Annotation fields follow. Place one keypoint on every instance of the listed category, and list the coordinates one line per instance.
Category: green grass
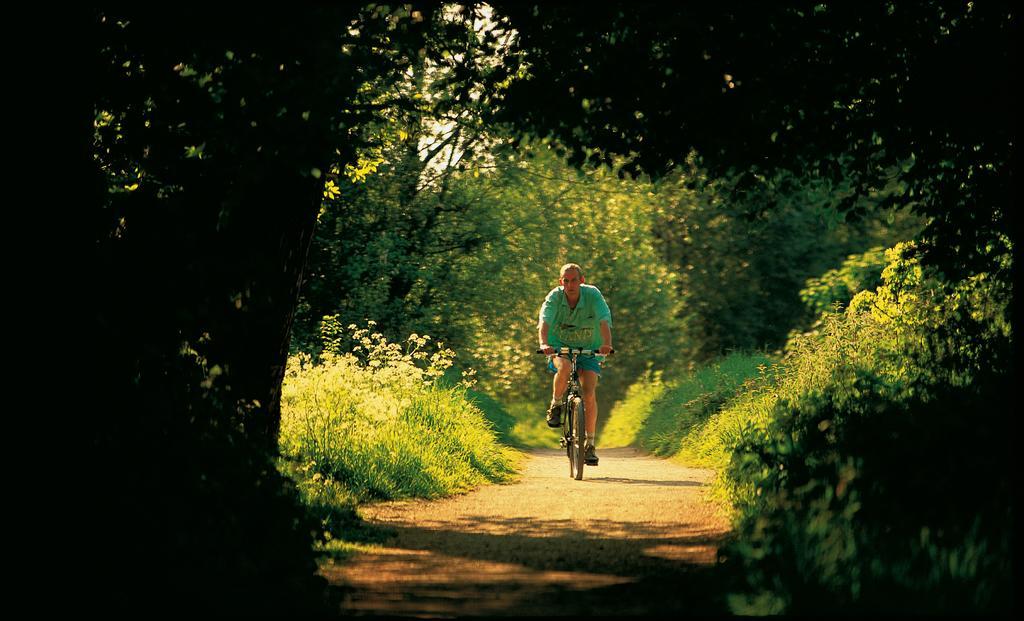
(629, 416)
(531, 429)
(685, 419)
(380, 427)
(521, 423)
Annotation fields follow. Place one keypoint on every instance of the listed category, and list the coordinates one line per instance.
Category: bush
(377, 423)
(859, 272)
(880, 480)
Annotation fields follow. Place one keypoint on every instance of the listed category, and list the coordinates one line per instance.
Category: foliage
(545, 213)
(857, 479)
(471, 261)
(892, 93)
(859, 272)
(207, 133)
(765, 242)
(879, 480)
(667, 417)
(216, 138)
(195, 520)
(461, 259)
(378, 423)
(389, 229)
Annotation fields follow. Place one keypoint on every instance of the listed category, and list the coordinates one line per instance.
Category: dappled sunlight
(403, 567)
(429, 584)
(696, 554)
(617, 480)
(479, 565)
(540, 537)
(598, 529)
(399, 580)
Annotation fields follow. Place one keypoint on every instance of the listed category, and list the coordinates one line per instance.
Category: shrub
(880, 480)
(859, 272)
(376, 423)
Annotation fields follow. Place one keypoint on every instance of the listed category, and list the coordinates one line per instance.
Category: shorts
(583, 363)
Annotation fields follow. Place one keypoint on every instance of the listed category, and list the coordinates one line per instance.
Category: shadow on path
(558, 571)
(632, 538)
(635, 543)
(643, 482)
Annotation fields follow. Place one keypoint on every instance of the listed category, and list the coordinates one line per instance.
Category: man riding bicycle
(575, 314)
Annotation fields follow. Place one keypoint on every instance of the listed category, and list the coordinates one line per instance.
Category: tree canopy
(874, 91)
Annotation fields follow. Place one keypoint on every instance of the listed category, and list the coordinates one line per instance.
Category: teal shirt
(578, 327)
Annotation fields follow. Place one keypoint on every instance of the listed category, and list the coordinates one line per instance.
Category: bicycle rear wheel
(577, 450)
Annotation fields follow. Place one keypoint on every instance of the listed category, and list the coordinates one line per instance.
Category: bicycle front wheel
(577, 450)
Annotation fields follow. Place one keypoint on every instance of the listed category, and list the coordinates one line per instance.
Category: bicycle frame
(574, 414)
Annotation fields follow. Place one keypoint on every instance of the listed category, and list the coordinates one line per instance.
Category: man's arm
(606, 337)
(604, 315)
(542, 335)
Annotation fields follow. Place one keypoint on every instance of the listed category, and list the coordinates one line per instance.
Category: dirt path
(634, 537)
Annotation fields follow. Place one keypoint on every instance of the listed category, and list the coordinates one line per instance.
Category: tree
(743, 258)
(908, 101)
(211, 131)
(874, 91)
(390, 227)
(535, 213)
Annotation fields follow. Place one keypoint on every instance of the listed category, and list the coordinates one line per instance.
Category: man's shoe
(591, 457)
(554, 416)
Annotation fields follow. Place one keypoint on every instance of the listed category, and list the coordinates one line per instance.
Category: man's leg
(588, 385)
(560, 384)
(561, 381)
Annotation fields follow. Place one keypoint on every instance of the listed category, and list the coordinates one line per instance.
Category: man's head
(571, 277)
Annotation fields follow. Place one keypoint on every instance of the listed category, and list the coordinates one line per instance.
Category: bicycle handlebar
(577, 350)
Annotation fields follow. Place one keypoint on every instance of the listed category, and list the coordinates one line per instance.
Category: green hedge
(880, 480)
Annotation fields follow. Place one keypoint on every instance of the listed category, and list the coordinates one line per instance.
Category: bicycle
(574, 418)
